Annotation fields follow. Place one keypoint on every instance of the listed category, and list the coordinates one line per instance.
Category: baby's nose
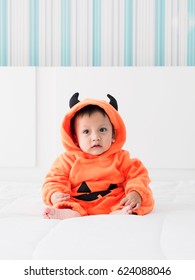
(95, 136)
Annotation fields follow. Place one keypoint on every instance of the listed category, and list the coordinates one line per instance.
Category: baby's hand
(58, 197)
(133, 199)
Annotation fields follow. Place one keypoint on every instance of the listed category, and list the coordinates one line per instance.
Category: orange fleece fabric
(97, 184)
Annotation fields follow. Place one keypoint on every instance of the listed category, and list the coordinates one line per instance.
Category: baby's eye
(86, 131)
(103, 129)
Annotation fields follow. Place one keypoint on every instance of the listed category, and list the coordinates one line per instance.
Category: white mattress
(166, 233)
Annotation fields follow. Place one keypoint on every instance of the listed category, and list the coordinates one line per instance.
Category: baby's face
(94, 133)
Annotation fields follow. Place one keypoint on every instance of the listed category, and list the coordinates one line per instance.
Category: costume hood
(110, 109)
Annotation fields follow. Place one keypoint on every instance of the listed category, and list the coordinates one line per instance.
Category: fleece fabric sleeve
(57, 179)
(137, 179)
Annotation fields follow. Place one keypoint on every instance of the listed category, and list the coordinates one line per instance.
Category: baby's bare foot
(126, 210)
(60, 214)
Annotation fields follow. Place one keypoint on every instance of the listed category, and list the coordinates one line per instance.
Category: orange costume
(97, 183)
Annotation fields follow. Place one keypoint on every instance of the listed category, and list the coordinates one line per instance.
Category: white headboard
(156, 103)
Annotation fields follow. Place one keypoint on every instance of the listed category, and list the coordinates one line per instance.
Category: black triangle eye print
(90, 196)
(84, 188)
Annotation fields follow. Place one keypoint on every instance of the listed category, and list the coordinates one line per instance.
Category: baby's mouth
(96, 146)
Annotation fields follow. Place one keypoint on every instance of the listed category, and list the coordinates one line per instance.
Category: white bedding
(166, 233)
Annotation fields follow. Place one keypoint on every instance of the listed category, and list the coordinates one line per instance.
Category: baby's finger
(62, 195)
(130, 203)
(62, 198)
(137, 206)
(66, 196)
(133, 205)
(123, 201)
(58, 200)
(129, 211)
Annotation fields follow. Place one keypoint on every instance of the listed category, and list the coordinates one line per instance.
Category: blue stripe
(65, 33)
(96, 51)
(160, 33)
(191, 34)
(34, 32)
(128, 33)
(3, 33)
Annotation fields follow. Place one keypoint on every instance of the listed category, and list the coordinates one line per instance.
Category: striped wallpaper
(97, 32)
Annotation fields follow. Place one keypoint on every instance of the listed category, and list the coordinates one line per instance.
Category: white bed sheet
(166, 233)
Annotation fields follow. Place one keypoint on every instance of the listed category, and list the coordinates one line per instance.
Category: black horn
(74, 100)
(113, 101)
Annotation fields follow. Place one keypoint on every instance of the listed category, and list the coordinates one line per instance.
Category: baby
(95, 176)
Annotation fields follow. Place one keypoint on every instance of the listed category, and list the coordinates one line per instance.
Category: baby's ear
(113, 136)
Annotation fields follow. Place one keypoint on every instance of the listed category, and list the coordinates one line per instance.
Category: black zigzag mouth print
(91, 196)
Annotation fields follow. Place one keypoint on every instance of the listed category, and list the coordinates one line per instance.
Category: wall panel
(97, 33)
(27, 122)
(17, 117)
